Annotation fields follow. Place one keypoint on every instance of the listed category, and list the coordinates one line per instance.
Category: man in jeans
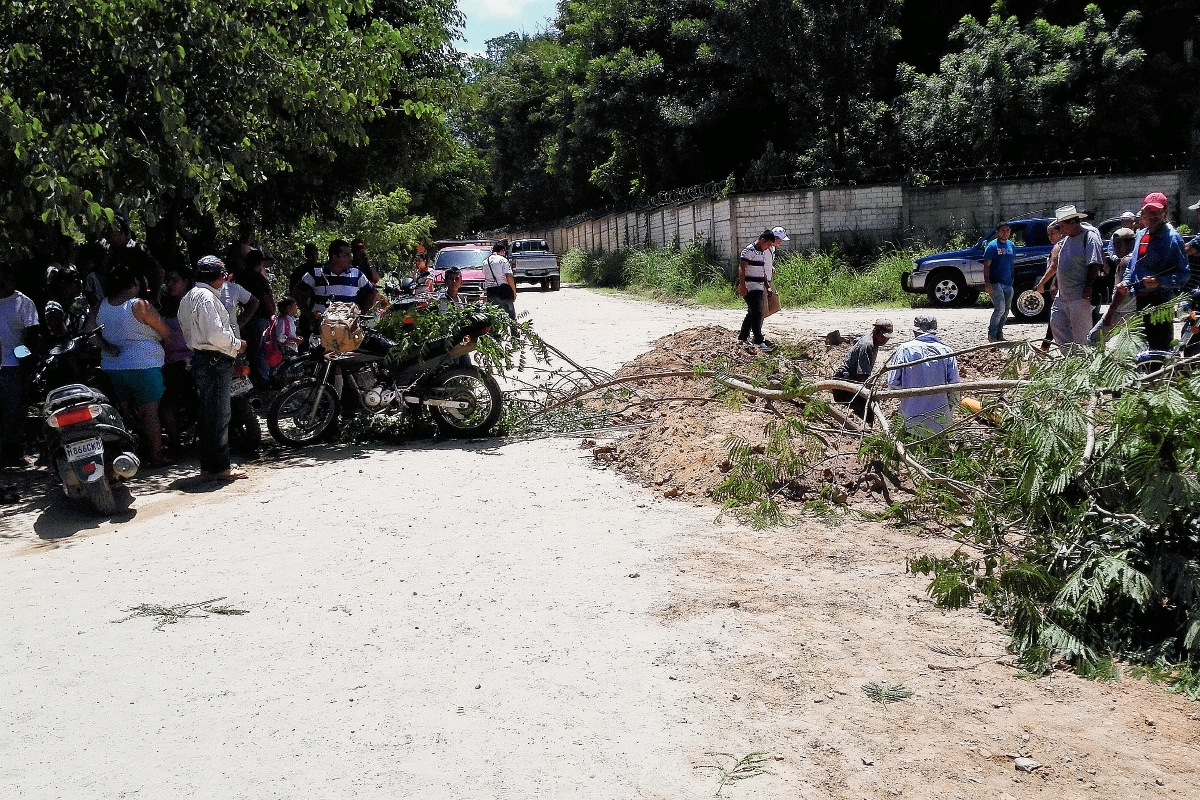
(998, 279)
(206, 329)
(1158, 270)
(756, 266)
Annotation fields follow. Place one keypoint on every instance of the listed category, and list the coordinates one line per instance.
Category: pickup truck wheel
(946, 288)
(555, 284)
(545, 282)
(1030, 305)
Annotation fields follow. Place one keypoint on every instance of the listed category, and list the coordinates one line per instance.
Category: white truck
(533, 262)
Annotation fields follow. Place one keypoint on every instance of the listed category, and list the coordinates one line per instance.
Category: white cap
(780, 234)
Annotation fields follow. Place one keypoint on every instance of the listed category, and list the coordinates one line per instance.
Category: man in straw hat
(1080, 262)
(1158, 268)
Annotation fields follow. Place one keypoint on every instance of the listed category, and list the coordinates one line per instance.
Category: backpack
(340, 331)
(270, 347)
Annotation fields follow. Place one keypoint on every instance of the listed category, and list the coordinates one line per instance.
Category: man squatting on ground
(928, 414)
(756, 266)
(858, 366)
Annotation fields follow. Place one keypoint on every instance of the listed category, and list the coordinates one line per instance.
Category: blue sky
(487, 19)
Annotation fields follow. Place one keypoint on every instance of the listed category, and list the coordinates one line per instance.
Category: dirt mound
(683, 452)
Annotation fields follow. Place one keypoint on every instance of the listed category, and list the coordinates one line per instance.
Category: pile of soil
(682, 452)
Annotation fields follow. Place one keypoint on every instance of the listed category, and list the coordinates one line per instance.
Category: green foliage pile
(1088, 552)
(509, 345)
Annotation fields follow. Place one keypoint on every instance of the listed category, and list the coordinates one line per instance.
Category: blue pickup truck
(956, 277)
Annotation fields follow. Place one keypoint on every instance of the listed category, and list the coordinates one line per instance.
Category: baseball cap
(884, 328)
(209, 267)
(924, 323)
(1155, 200)
(1124, 233)
(1129, 216)
(780, 234)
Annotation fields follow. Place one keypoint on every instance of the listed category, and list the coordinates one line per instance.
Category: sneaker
(742, 339)
(766, 348)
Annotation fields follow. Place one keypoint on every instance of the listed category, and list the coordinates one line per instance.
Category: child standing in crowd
(286, 335)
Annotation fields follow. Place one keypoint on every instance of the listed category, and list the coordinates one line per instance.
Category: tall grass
(821, 278)
(826, 279)
(655, 273)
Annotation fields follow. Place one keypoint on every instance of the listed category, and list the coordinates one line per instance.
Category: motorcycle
(245, 434)
(83, 435)
(1188, 345)
(463, 400)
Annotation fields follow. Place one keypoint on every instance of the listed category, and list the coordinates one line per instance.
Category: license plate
(84, 449)
(536, 272)
(240, 386)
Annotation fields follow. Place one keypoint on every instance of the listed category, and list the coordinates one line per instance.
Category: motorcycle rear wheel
(291, 418)
(100, 495)
(480, 391)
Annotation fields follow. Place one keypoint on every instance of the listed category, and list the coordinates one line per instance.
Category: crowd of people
(171, 335)
(1144, 266)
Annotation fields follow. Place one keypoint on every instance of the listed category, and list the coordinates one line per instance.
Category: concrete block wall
(818, 217)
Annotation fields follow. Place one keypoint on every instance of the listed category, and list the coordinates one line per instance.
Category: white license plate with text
(84, 449)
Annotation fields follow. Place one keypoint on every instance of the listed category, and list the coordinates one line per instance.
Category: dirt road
(464, 621)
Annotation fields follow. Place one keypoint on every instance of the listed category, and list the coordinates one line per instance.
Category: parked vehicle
(463, 400)
(956, 277)
(245, 432)
(533, 262)
(83, 436)
(468, 256)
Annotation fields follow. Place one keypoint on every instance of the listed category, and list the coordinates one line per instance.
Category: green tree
(166, 111)
(1027, 93)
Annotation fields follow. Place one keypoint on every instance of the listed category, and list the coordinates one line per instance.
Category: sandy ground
(461, 621)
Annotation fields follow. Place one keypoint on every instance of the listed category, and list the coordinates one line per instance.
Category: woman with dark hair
(133, 354)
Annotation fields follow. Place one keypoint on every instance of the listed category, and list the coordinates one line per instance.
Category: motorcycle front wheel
(302, 413)
(479, 391)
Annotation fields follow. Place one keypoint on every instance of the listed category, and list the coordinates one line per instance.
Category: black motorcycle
(463, 400)
(83, 435)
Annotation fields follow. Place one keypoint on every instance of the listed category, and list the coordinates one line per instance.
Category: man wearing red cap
(1158, 267)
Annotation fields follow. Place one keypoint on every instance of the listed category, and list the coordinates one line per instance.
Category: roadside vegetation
(1074, 497)
(829, 278)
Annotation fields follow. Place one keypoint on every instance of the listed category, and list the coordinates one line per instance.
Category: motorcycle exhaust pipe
(126, 465)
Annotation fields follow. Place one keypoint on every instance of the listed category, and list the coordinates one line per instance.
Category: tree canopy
(621, 100)
(171, 111)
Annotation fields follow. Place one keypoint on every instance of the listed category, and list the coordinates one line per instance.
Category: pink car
(468, 257)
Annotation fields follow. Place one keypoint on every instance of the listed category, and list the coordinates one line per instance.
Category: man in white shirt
(499, 281)
(18, 326)
(234, 295)
(214, 345)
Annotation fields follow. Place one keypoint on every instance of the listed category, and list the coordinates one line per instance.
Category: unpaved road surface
(462, 621)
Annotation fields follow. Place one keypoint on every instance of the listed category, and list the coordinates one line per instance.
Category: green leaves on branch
(152, 108)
